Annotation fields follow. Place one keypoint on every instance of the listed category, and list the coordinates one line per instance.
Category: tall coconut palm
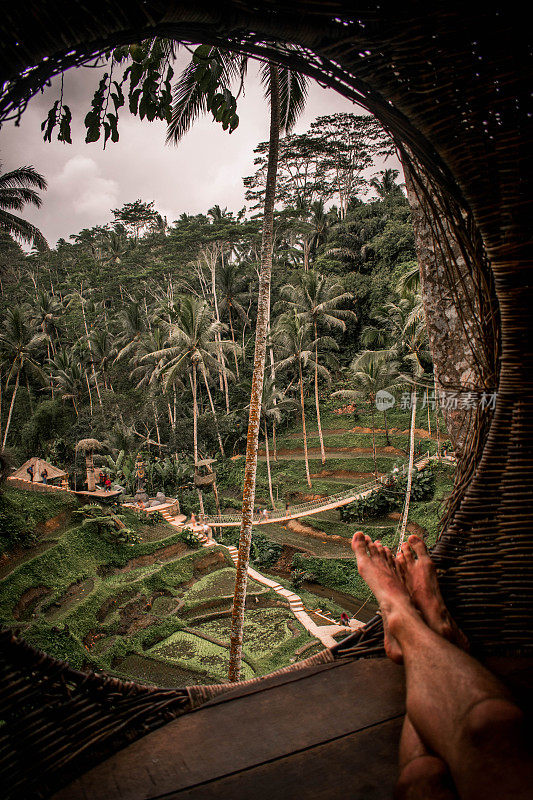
(371, 372)
(286, 92)
(234, 296)
(293, 338)
(20, 344)
(68, 377)
(132, 323)
(17, 189)
(384, 183)
(318, 299)
(47, 311)
(273, 403)
(192, 348)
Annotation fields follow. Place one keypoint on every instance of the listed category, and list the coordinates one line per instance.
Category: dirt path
(348, 474)
(412, 527)
(421, 432)
(300, 527)
(285, 453)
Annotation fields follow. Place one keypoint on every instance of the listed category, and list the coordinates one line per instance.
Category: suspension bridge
(315, 506)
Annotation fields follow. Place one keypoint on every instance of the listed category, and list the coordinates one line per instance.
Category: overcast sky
(85, 182)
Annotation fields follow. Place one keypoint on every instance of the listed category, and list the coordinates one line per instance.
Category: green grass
(219, 584)
(192, 652)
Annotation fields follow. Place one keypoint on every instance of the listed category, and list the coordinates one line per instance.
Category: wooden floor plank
(359, 766)
(236, 735)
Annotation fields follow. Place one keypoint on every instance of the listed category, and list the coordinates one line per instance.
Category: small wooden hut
(54, 474)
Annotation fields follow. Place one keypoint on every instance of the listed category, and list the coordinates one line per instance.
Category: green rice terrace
(157, 608)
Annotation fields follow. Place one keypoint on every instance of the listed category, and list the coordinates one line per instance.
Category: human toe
(359, 544)
(418, 546)
(407, 553)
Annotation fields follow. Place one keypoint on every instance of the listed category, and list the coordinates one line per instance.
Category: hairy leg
(461, 712)
(423, 775)
(419, 575)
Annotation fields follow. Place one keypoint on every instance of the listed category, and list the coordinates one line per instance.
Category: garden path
(324, 633)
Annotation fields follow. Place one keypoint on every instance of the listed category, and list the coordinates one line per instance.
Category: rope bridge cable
(313, 506)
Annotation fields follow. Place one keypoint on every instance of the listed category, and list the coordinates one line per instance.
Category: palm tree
(17, 189)
(371, 372)
(233, 293)
(68, 377)
(192, 348)
(19, 346)
(286, 92)
(273, 403)
(147, 368)
(317, 299)
(133, 327)
(384, 183)
(293, 336)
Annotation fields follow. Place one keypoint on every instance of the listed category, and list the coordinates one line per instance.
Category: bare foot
(377, 568)
(420, 577)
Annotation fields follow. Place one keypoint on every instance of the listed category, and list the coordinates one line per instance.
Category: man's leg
(460, 711)
(423, 775)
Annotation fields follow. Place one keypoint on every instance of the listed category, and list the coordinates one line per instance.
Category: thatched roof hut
(38, 464)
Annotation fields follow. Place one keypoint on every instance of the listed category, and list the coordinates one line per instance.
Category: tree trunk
(374, 439)
(409, 471)
(8, 423)
(89, 390)
(454, 316)
(302, 403)
(234, 345)
(263, 309)
(195, 428)
(317, 403)
(156, 420)
(268, 466)
(387, 439)
(90, 350)
(437, 407)
(213, 412)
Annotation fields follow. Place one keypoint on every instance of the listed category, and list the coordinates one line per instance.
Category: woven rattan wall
(452, 85)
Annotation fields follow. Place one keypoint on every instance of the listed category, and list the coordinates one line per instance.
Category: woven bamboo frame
(452, 87)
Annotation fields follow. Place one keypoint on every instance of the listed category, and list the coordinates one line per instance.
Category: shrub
(190, 539)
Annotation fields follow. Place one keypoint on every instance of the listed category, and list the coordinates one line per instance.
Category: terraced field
(157, 611)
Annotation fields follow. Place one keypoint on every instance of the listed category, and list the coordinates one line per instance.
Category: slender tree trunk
(374, 440)
(13, 396)
(317, 403)
(250, 470)
(268, 465)
(29, 395)
(195, 429)
(409, 470)
(90, 351)
(234, 345)
(213, 412)
(156, 420)
(89, 390)
(217, 500)
(274, 446)
(302, 403)
(429, 415)
(437, 423)
(387, 439)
